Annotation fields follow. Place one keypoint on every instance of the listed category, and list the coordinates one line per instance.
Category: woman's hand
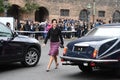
(43, 45)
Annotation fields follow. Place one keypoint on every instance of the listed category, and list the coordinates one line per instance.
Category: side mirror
(15, 34)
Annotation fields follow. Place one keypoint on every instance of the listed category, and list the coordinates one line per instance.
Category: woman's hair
(54, 20)
(7, 24)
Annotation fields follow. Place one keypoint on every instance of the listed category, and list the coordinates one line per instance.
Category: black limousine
(18, 48)
(99, 48)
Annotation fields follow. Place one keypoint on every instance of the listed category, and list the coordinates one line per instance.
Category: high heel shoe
(47, 70)
(57, 66)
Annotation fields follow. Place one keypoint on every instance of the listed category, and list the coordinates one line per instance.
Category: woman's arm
(47, 37)
(61, 38)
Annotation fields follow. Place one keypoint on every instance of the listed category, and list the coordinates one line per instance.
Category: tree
(1, 6)
(4, 6)
(30, 6)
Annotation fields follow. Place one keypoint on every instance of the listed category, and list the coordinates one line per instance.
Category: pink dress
(54, 48)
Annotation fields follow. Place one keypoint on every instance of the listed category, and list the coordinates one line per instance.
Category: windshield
(5, 31)
(105, 31)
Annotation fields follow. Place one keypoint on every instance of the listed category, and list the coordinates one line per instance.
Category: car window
(104, 31)
(5, 31)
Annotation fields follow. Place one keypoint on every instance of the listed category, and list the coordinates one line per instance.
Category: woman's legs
(50, 62)
(56, 62)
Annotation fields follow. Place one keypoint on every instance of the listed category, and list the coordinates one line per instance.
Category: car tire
(31, 57)
(85, 68)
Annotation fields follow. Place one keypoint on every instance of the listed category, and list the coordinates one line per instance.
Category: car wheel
(85, 68)
(31, 58)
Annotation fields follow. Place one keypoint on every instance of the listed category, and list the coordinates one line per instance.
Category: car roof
(111, 25)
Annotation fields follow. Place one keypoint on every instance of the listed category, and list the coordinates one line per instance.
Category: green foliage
(30, 7)
(1, 6)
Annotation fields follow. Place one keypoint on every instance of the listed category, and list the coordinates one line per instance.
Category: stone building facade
(87, 10)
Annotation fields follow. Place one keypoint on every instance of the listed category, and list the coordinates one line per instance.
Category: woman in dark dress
(55, 36)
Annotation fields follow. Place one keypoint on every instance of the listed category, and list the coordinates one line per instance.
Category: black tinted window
(106, 46)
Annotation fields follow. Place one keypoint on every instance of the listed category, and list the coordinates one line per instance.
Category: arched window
(84, 15)
(116, 17)
(41, 15)
(14, 11)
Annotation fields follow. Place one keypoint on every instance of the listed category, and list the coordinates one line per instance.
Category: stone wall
(75, 6)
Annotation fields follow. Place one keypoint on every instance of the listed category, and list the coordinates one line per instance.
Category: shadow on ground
(8, 67)
(96, 75)
(13, 67)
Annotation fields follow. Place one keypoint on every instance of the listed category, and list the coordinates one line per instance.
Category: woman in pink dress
(55, 36)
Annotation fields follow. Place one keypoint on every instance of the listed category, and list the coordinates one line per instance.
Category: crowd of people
(69, 27)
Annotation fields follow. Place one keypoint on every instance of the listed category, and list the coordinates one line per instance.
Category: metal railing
(35, 32)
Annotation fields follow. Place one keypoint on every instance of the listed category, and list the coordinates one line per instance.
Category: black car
(18, 48)
(99, 48)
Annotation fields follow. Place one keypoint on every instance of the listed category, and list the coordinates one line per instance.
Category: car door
(10, 48)
(1, 48)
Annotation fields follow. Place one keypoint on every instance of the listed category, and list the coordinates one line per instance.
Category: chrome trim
(109, 48)
(110, 54)
(85, 44)
(89, 60)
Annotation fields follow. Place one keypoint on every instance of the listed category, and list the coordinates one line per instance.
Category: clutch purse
(61, 46)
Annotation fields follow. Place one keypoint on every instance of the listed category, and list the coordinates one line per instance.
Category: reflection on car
(18, 48)
(99, 48)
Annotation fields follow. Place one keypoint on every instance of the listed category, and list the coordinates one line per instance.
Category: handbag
(61, 46)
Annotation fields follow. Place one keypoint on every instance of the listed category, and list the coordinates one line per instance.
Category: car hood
(90, 41)
(26, 39)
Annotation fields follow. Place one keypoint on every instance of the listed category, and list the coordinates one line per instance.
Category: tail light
(94, 53)
(64, 50)
(62, 60)
(92, 64)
